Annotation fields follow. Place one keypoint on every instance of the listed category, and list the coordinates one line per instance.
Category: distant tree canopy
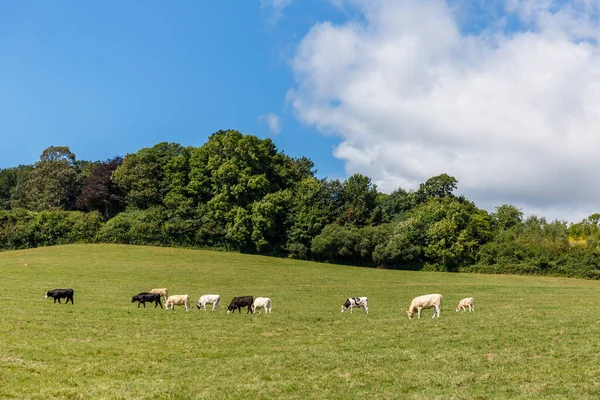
(239, 192)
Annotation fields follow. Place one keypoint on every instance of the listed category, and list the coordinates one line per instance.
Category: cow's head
(457, 309)
(134, 298)
(410, 314)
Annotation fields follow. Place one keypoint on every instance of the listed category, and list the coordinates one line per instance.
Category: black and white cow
(58, 294)
(240, 302)
(352, 302)
(145, 297)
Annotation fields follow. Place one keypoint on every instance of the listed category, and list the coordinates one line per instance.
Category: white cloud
(514, 116)
(273, 122)
(274, 9)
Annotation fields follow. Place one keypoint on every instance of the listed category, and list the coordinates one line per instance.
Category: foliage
(240, 193)
(99, 193)
(54, 182)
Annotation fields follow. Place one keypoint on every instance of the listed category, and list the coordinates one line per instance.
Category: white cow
(352, 302)
(178, 300)
(427, 301)
(263, 302)
(213, 299)
(468, 302)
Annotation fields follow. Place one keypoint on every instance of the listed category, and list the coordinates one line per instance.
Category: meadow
(529, 338)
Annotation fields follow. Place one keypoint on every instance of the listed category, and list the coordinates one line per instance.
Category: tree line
(238, 192)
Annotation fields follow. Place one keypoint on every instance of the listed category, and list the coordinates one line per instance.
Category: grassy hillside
(530, 337)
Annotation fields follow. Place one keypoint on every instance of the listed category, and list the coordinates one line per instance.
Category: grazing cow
(145, 297)
(178, 300)
(468, 302)
(427, 301)
(163, 292)
(240, 302)
(263, 302)
(58, 294)
(213, 299)
(352, 302)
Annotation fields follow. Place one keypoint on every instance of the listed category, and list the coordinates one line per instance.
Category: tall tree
(506, 217)
(359, 198)
(143, 175)
(438, 186)
(99, 192)
(54, 183)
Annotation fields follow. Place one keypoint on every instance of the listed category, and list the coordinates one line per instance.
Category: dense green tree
(8, 182)
(359, 199)
(312, 207)
(396, 205)
(507, 217)
(270, 221)
(54, 183)
(438, 186)
(144, 177)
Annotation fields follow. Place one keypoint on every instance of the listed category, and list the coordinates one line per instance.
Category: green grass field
(530, 337)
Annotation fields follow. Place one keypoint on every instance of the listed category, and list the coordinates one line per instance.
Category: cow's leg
(139, 304)
(419, 309)
(59, 301)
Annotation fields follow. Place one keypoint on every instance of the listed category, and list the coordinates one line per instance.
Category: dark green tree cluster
(240, 193)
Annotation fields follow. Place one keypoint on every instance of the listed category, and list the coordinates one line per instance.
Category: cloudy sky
(504, 95)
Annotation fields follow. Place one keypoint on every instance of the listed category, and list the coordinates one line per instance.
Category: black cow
(58, 294)
(240, 302)
(145, 297)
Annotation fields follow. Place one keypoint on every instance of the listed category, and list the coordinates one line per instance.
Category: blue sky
(109, 78)
(501, 94)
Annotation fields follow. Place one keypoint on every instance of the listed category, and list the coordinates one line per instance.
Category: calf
(163, 292)
(178, 300)
(427, 301)
(352, 302)
(240, 302)
(468, 302)
(145, 297)
(213, 299)
(263, 302)
(58, 294)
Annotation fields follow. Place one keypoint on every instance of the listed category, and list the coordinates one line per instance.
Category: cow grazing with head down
(352, 302)
(263, 302)
(469, 303)
(145, 297)
(213, 299)
(240, 302)
(426, 301)
(178, 300)
(58, 294)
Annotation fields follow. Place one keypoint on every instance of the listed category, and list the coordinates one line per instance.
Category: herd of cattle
(417, 305)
